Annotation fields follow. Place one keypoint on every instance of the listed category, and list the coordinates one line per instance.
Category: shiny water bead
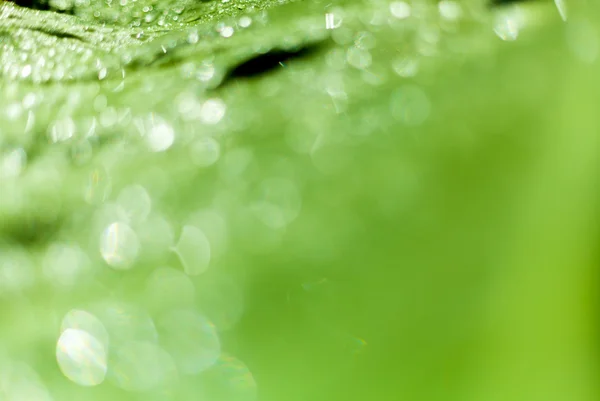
(119, 246)
(400, 9)
(508, 23)
(141, 366)
(160, 136)
(98, 186)
(12, 163)
(212, 111)
(82, 358)
(191, 339)
(193, 250)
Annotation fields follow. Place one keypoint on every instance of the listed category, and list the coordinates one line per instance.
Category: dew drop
(119, 246)
(81, 357)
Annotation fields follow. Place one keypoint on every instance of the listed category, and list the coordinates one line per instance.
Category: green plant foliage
(240, 200)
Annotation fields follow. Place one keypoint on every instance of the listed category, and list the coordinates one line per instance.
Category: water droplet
(508, 24)
(245, 21)
(98, 187)
(332, 21)
(61, 130)
(12, 163)
(449, 10)
(160, 137)
(212, 111)
(400, 9)
(119, 246)
(227, 32)
(81, 357)
(561, 6)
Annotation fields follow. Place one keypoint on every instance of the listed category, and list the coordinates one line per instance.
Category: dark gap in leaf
(270, 61)
(58, 34)
(495, 3)
(33, 4)
(42, 5)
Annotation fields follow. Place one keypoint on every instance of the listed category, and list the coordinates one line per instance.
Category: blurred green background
(299, 200)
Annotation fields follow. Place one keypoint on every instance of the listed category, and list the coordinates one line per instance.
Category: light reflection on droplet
(193, 250)
(508, 24)
(561, 6)
(119, 246)
(98, 187)
(160, 136)
(333, 21)
(227, 32)
(245, 21)
(81, 357)
(449, 10)
(191, 339)
(12, 163)
(400, 9)
(212, 111)
(61, 130)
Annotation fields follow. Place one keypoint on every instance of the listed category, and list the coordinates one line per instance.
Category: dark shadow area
(42, 5)
(495, 3)
(268, 62)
